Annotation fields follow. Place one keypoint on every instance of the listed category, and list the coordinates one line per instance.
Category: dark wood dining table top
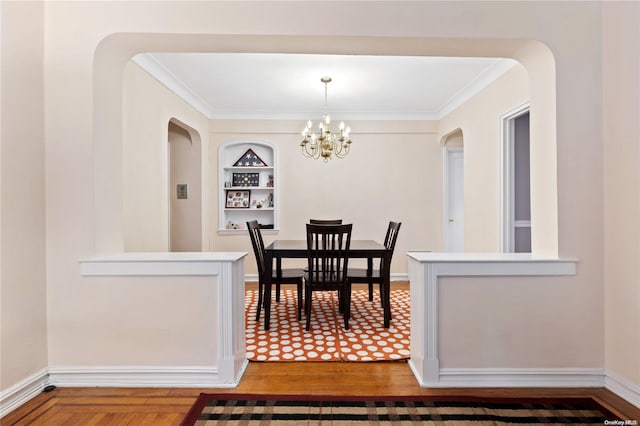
(298, 248)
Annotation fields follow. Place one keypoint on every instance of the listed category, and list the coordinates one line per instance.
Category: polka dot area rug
(366, 339)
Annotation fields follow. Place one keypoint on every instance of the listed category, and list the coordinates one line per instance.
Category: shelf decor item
(238, 199)
(250, 159)
(246, 179)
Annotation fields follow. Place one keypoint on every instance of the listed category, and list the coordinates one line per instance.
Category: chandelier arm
(342, 152)
(326, 143)
(309, 153)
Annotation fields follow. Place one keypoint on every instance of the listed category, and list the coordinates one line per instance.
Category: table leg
(267, 289)
(385, 270)
(370, 280)
(279, 275)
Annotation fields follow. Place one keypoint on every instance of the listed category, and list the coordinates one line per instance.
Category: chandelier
(324, 143)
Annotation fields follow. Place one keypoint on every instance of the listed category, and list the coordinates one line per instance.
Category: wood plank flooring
(168, 406)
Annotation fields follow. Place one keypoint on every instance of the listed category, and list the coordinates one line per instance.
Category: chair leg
(386, 296)
(347, 305)
(307, 306)
(277, 292)
(300, 285)
(259, 307)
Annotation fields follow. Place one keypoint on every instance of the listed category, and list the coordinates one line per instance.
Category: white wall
(84, 60)
(622, 194)
(23, 311)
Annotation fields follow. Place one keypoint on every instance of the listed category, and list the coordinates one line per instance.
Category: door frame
(507, 190)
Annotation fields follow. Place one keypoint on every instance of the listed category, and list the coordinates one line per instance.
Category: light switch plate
(183, 191)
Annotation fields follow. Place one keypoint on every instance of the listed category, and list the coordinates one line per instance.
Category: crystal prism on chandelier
(324, 143)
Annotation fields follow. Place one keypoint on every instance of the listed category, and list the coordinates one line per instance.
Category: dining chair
(279, 276)
(327, 264)
(372, 276)
(325, 221)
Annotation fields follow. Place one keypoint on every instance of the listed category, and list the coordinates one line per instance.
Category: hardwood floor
(167, 406)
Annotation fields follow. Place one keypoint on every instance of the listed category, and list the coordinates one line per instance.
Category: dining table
(297, 249)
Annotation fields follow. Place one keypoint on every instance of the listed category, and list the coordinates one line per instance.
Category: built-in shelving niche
(254, 164)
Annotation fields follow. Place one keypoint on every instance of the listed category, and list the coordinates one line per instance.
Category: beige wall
(377, 176)
(508, 323)
(135, 321)
(23, 310)
(478, 119)
(306, 187)
(83, 68)
(185, 214)
(502, 322)
(621, 61)
(425, 30)
(147, 108)
(375, 172)
(574, 56)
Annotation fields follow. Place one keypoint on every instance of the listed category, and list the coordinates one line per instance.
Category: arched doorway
(453, 192)
(185, 189)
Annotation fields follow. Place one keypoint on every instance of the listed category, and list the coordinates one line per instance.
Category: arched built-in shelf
(254, 176)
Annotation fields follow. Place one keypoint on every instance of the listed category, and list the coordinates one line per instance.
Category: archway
(117, 49)
(185, 189)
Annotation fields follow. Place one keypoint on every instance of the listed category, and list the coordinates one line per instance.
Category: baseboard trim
(137, 376)
(185, 377)
(250, 278)
(622, 387)
(16, 395)
(519, 377)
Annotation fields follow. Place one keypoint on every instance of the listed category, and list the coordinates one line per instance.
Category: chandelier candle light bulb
(325, 143)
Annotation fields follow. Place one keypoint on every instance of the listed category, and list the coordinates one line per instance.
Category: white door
(454, 200)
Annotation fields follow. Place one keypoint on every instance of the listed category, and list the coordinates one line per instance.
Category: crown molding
(155, 69)
(484, 79)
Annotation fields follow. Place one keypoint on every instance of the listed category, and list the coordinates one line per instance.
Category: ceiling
(288, 86)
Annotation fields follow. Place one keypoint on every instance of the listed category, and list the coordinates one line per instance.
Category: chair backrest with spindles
(258, 245)
(392, 235)
(328, 253)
